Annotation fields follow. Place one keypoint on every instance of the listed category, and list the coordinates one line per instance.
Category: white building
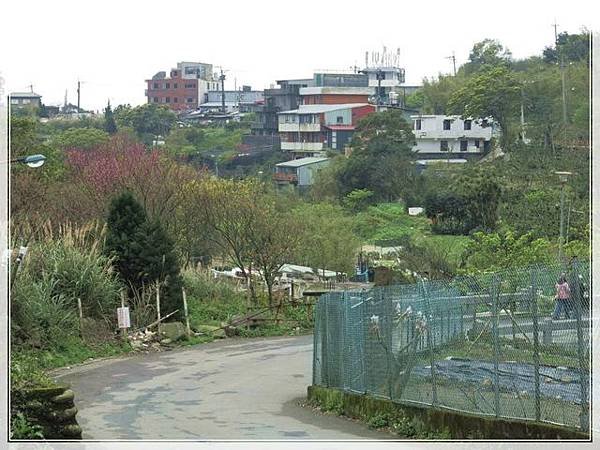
(438, 135)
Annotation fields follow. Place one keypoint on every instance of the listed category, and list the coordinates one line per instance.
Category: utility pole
(31, 88)
(555, 25)
(563, 177)
(564, 90)
(222, 80)
(78, 95)
(380, 76)
(453, 58)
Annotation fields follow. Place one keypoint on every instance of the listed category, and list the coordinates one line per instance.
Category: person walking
(563, 297)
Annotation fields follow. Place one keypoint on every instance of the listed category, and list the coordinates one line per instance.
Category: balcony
(303, 127)
(302, 146)
(478, 133)
(285, 177)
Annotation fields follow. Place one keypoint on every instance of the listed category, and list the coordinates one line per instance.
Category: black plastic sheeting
(560, 383)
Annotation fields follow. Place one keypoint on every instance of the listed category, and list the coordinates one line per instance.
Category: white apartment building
(440, 134)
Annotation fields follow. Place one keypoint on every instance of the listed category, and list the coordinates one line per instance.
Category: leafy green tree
(110, 126)
(358, 199)
(437, 92)
(492, 92)
(573, 47)
(81, 138)
(143, 253)
(149, 120)
(486, 54)
(381, 157)
(496, 251)
(328, 241)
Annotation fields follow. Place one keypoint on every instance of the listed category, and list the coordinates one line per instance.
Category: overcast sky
(113, 46)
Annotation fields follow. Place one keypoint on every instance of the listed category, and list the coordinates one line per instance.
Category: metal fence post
(583, 376)
(429, 320)
(536, 344)
(325, 343)
(495, 314)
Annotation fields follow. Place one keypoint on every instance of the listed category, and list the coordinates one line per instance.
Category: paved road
(231, 389)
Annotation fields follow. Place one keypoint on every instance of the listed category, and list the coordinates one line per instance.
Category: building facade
(324, 95)
(299, 173)
(310, 130)
(438, 135)
(185, 87)
(25, 100)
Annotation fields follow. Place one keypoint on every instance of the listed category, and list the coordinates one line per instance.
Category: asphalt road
(231, 389)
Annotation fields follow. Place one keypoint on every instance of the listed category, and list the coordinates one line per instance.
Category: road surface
(230, 389)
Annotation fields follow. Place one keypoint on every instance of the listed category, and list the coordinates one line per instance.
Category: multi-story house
(299, 172)
(451, 136)
(25, 100)
(185, 87)
(312, 129)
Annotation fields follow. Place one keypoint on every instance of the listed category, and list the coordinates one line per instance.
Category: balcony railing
(289, 177)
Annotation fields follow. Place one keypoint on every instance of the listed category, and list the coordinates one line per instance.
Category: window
(156, 86)
(190, 100)
(155, 99)
(174, 85)
(443, 146)
(14, 101)
(167, 85)
(418, 124)
(446, 124)
(339, 119)
(463, 146)
(467, 124)
(175, 100)
(167, 99)
(476, 142)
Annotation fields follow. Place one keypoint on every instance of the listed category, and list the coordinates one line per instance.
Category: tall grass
(62, 265)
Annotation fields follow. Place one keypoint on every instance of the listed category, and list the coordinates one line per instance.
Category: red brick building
(185, 87)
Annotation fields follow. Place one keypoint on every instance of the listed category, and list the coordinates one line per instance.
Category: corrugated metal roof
(317, 109)
(25, 94)
(302, 161)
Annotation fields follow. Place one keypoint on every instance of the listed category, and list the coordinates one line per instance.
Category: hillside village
(212, 213)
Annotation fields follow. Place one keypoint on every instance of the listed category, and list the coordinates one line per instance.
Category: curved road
(230, 389)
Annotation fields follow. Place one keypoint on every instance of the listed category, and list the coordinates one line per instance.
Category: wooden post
(536, 344)
(158, 305)
(185, 312)
(495, 314)
(80, 317)
(123, 330)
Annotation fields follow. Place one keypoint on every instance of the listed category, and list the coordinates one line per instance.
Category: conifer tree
(143, 253)
(110, 126)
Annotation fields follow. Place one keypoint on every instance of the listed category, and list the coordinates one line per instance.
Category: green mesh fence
(492, 344)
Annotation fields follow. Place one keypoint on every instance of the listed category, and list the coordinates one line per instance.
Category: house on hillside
(449, 137)
(312, 129)
(298, 172)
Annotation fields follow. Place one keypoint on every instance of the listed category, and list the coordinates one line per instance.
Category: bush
(211, 300)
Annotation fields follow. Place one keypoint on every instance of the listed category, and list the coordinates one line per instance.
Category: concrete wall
(433, 146)
(460, 425)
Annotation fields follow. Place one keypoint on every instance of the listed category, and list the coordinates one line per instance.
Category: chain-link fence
(512, 344)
